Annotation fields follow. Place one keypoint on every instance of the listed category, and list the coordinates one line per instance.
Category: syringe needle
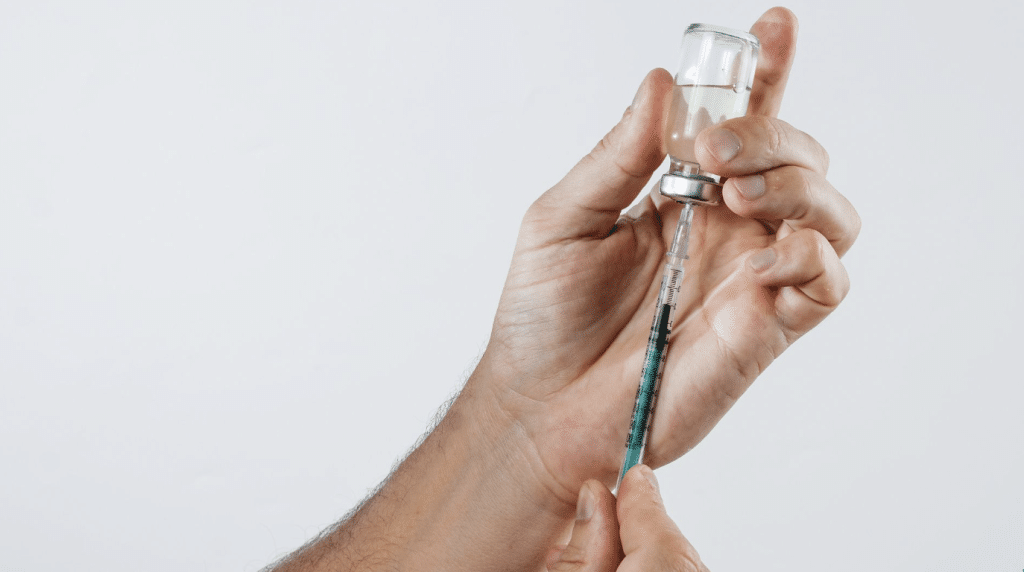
(654, 359)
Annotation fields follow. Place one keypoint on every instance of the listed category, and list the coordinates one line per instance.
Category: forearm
(465, 499)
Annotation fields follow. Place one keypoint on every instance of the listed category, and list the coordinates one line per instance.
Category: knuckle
(804, 185)
(617, 161)
(571, 558)
(844, 289)
(822, 247)
(775, 137)
(825, 159)
(822, 255)
(801, 189)
(602, 148)
(535, 214)
(684, 562)
(855, 224)
(838, 286)
(820, 154)
(818, 246)
(692, 560)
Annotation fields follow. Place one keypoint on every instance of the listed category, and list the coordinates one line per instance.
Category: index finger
(776, 31)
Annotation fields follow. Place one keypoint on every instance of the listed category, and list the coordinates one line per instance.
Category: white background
(248, 248)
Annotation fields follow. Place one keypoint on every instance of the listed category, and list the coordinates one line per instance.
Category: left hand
(564, 358)
(630, 534)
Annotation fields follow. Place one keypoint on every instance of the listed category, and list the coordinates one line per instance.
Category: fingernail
(751, 187)
(762, 260)
(723, 144)
(649, 475)
(585, 504)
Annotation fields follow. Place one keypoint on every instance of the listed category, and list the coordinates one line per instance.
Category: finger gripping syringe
(713, 84)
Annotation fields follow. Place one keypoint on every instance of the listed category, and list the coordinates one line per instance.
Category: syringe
(712, 84)
(654, 359)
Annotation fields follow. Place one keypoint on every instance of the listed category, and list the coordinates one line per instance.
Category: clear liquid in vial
(695, 108)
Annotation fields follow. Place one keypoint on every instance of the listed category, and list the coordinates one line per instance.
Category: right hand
(633, 534)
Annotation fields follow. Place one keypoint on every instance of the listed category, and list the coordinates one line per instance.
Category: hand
(634, 534)
(549, 405)
(565, 354)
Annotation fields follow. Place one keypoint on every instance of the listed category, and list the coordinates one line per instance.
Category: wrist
(522, 432)
(473, 498)
(467, 498)
(501, 442)
(562, 437)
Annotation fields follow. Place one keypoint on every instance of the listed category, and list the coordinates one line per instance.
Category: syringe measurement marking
(647, 392)
(654, 359)
(673, 287)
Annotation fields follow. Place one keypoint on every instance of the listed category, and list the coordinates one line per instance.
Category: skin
(548, 407)
(573, 321)
(630, 534)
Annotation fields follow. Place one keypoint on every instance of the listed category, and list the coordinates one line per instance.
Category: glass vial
(712, 84)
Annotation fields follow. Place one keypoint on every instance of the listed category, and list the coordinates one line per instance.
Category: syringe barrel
(654, 365)
(657, 343)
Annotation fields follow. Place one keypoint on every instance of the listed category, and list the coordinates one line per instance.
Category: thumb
(648, 534)
(594, 546)
(588, 201)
